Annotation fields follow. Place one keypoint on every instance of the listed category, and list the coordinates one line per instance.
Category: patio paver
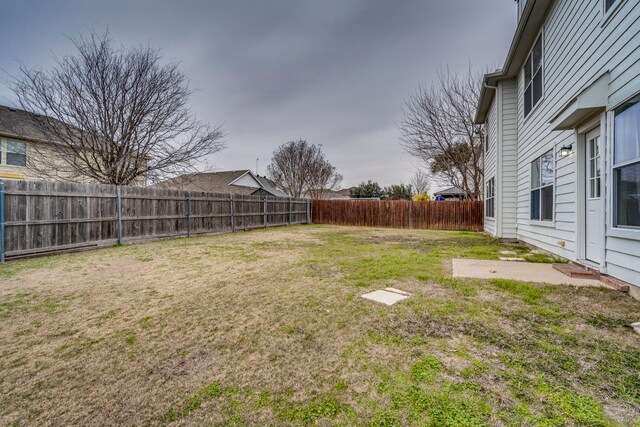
(388, 296)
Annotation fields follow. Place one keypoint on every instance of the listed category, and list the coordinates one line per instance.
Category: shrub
(421, 197)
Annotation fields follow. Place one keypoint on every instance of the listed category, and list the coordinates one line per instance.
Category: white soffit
(590, 101)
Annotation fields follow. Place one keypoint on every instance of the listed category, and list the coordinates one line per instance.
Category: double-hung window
(490, 197)
(533, 77)
(626, 164)
(16, 153)
(486, 138)
(542, 176)
(608, 4)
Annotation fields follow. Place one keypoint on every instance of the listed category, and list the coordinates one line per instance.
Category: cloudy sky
(333, 72)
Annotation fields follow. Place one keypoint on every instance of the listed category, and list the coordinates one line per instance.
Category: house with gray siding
(562, 120)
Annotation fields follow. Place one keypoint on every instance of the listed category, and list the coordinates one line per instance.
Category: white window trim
(5, 143)
(614, 230)
(493, 197)
(544, 75)
(486, 138)
(600, 177)
(546, 222)
(607, 15)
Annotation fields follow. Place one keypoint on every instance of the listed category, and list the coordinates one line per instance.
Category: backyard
(268, 328)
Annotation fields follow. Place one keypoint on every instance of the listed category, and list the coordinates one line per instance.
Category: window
(486, 139)
(521, 4)
(608, 4)
(16, 153)
(490, 197)
(626, 164)
(593, 152)
(542, 171)
(533, 77)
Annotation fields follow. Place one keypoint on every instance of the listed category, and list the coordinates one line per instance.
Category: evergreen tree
(367, 190)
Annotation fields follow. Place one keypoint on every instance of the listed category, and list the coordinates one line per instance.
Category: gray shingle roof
(270, 186)
(211, 182)
(220, 182)
(450, 190)
(19, 123)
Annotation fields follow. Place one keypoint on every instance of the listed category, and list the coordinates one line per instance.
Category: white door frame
(581, 199)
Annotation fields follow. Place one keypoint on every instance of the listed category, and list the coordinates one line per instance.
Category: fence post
(119, 213)
(410, 214)
(233, 213)
(1, 221)
(188, 213)
(308, 206)
(290, 209)
(265, 211)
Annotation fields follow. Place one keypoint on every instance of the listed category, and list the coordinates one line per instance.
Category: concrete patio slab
(388, 296)
(397, 291)
(523, 271)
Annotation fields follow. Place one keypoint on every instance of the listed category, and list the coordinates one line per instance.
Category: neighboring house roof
(529, 25)
(237, 182)
(270, 186)
(451, 191)
(20, 124)
(344, 193)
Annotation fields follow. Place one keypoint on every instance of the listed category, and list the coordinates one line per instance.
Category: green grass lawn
(267, 328)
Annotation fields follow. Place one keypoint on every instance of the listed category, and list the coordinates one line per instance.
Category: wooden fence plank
(42, 217)
(438, 215)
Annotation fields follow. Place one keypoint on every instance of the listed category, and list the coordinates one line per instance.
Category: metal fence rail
(43, 217)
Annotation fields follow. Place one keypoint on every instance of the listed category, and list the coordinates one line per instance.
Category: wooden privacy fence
(41, 217)
(438, 215)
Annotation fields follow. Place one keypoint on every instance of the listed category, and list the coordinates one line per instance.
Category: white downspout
(498, 189)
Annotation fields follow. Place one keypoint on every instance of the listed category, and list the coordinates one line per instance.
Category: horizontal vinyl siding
(509, 158)
(623, 255)
(623, 259)
(490, 165)
(578, 48)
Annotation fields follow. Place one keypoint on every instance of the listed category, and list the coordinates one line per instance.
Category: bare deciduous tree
(323, 177)
(113, 115)
(421, 182)
(438, 128)
(301, 168)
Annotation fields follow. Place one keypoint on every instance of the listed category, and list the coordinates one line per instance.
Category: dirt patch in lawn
(267, 328)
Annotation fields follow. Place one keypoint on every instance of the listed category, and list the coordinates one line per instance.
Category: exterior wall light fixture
(566, 150)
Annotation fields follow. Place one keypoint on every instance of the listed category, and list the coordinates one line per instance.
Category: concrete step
(572, 270)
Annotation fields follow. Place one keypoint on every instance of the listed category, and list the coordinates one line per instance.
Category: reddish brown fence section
(437, 215)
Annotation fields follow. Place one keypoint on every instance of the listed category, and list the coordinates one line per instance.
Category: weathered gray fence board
(48, 216)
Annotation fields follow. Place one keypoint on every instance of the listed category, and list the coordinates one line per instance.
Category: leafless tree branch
(300, 168)
(421, 182)
(438, 129)
(113, 115)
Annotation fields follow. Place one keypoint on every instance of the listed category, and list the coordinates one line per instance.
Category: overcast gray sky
(333, 72)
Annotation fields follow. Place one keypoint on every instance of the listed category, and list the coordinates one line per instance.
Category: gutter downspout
(497, 196)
